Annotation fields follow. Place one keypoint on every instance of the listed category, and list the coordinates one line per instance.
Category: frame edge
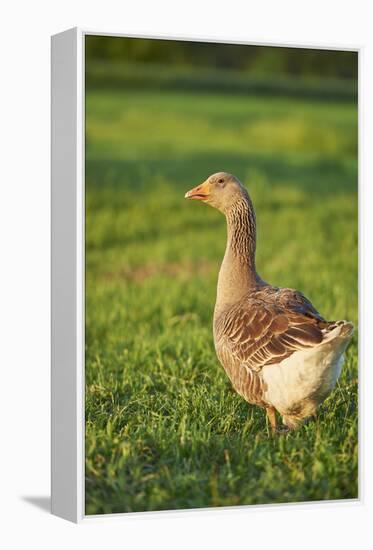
(66, 270)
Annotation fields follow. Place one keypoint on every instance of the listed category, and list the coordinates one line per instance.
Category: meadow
(164, 429)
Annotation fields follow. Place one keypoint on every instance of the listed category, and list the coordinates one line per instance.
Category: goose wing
(267, 326)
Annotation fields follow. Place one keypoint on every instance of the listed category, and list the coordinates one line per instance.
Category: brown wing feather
(267, 326)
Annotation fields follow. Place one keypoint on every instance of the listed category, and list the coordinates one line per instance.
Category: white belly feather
(299, 383)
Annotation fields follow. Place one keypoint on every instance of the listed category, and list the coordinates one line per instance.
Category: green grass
(161, 76)
(164, 429)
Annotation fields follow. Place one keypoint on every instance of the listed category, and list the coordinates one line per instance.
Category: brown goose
(277, 350)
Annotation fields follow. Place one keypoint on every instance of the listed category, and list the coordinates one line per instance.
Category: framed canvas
(201, 362)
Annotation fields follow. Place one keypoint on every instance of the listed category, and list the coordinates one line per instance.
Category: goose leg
(271, 415)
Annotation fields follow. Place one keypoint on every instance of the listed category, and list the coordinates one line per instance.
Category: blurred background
(163, 428)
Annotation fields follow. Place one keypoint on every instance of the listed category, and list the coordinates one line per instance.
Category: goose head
(220, 190)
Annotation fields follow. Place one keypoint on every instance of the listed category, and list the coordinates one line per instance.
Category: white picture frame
(68, 261)
(67, 291)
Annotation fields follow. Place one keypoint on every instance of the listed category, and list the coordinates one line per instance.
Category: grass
(162, 76)
(164, 429)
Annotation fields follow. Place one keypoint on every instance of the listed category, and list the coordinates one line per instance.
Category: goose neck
(238, 273)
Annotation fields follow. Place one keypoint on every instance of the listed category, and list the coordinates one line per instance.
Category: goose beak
(201, 192)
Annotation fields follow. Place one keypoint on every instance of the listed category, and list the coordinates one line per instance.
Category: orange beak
(201, 192)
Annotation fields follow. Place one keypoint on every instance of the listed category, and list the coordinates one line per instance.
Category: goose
(277, 350)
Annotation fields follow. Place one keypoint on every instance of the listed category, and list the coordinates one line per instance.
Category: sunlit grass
(164, 430)
(239, 124)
